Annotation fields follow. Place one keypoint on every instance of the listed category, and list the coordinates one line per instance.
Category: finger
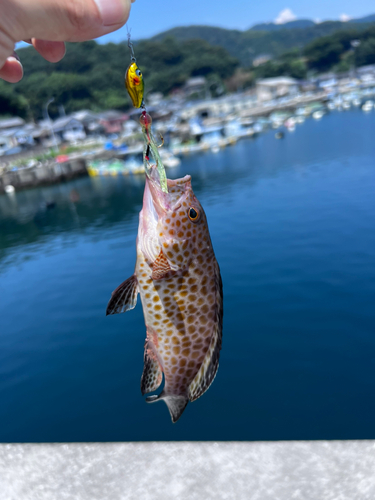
(52, 51)
(12, 70)
(63, 20)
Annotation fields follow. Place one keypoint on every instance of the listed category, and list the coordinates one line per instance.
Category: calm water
(292, 224)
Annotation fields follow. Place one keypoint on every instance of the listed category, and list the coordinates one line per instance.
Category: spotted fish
(178, 279)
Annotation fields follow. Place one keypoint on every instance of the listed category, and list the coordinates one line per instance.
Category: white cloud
(317, 20)
(344, 18)
(285, 16)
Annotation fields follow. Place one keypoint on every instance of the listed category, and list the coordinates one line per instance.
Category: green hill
(91, 76)
(246, 45)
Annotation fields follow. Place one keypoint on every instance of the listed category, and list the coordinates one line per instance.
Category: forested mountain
(92, 75)
(246, 45)
(339, 52)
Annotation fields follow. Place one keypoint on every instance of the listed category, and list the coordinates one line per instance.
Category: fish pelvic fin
(176, 403)
(207, 372)
(124, 297)
(152, 372)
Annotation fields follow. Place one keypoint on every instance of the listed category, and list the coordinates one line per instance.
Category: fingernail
(15, 56)
(12, 58)
(113, 11)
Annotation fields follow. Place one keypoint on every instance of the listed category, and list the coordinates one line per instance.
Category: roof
(84, 115)
(16, 121)
(113, 114)
(196, 80)
(279, 80)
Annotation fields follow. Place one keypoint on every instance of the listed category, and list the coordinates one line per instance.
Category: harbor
(111, 144)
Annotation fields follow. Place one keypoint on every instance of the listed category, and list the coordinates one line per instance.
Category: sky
(149, 17)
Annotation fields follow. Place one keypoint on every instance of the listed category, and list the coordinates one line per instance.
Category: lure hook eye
(193, 214)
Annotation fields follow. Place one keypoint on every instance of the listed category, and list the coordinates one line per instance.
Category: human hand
(47, 24)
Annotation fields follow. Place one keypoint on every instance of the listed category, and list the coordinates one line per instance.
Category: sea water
(292, 224)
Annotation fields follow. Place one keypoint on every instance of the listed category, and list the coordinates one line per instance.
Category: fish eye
(193, 214)
(138, 72)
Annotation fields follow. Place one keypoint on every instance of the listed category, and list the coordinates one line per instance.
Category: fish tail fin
(176, 403)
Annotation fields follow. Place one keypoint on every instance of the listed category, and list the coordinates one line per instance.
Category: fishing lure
(134, 80)
(135, 86)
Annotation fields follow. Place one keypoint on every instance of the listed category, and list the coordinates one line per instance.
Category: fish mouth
(162, 202)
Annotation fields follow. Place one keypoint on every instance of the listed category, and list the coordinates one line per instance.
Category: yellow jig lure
(134, 84)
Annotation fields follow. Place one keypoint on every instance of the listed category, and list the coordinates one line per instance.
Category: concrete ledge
(317, 470)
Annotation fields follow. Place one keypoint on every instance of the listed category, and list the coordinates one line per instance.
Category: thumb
(62, 20)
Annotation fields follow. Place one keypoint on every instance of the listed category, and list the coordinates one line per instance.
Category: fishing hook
(162, 141)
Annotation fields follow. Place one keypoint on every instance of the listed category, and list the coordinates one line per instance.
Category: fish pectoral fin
(124, 297)
(176, 403)
(161, 268)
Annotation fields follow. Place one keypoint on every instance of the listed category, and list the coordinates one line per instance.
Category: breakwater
(38, 175)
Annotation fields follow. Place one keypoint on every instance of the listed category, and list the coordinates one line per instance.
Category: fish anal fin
(152, 375)
(124, 297)
(161, 268)
(210, 365)
(176, 403)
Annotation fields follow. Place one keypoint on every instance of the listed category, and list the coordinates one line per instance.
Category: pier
(49, 173)
(299, 470)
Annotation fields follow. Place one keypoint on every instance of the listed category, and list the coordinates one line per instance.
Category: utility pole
(50, 124)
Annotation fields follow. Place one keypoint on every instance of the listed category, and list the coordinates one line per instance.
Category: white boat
(169, 159)
(9, 189)
(317, 115)
(368, 105)
(290, 124)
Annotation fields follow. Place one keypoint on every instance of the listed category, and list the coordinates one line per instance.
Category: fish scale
(180, 287)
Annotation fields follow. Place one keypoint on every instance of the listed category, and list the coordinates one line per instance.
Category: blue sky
(149, 17)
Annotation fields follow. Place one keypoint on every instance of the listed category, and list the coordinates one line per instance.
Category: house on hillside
(90, 121)
(272, 88)
(195, 85)
(68, 128)
(112, 121)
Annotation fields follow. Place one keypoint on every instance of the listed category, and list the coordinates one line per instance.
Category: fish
(134, 84)
(178, 279)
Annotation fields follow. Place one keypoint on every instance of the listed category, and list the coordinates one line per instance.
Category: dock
(289, 470)
(50, 173)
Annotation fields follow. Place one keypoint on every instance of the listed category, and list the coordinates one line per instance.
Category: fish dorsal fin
(124, 297)
(176, 403)
(208, 369)
(161, 267)
(152, 372)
